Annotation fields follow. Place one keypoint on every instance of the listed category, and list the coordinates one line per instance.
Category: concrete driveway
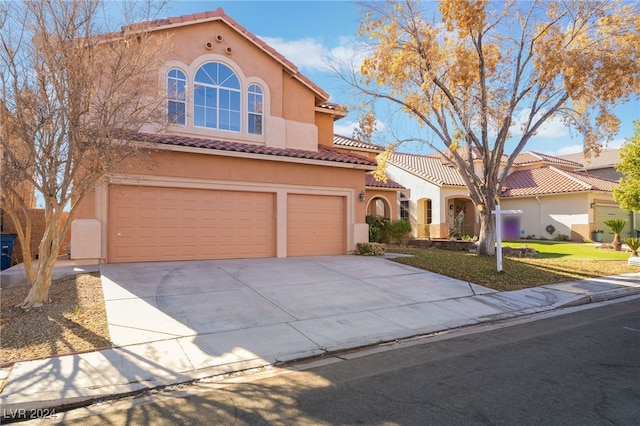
(182, 321)
(316, 299)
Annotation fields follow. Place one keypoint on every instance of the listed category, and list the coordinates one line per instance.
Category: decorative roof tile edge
(324, 153)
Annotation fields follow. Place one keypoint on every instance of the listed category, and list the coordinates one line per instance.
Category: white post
(499, 213)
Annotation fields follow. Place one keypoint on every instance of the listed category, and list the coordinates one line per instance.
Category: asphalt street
(578, 368)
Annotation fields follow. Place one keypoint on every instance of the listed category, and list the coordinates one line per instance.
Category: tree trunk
(487, 237)
(48, 256)
(617, 245)
(39, 292)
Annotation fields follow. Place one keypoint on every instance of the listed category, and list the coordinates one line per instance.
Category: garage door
(612, 212)
(160, 224)
(315, 225)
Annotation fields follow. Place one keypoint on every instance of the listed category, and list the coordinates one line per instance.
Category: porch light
(363, 196)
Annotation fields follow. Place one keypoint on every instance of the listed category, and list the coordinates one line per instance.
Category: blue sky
(305, 32)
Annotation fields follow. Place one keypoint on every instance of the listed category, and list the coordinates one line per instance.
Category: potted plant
(616, 226)
(598, 235)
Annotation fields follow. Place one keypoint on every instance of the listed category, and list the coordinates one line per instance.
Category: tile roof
(606, 158)
(322, 154)
(355, 143)
(431, 168)
(371, 182)
(220, 15)
(334, 108)
(535, 157)
(551, 180)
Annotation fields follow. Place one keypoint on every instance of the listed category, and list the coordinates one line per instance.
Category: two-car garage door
(160, 224)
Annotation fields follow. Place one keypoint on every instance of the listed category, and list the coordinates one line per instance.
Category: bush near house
(383, 230)
(369, 249)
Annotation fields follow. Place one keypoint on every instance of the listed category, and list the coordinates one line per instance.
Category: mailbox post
(499, 213)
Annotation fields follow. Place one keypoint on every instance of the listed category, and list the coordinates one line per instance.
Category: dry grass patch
(75, 321)
(518, 273)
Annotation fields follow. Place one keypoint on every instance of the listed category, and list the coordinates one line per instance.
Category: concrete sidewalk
(175, 322)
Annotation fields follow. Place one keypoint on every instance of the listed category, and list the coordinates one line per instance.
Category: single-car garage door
(160, 224)
(315, 225)
(604, 213)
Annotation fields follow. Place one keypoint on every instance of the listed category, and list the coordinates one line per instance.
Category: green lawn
(556, 262)
(568, 250)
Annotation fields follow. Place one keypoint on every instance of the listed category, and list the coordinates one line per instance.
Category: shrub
(561, 237)
(634, 245)
(369, 249)
(383, 230)
(616, 226)
(397, 231)
(377, 224)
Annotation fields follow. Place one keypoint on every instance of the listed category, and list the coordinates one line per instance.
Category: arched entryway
(379, 206)
(461, 217)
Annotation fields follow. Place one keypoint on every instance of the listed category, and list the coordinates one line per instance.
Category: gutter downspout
(539, 215)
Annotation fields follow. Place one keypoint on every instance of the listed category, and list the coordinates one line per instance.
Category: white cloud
(550, 129)
(344, 129)
(306, 53)
(311, 54)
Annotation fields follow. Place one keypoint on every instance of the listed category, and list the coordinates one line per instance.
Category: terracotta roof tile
(371, 182)
(606, 158)
(551, 180)
(431, 168)
(535, 157)
(354, 143)
(323, 154)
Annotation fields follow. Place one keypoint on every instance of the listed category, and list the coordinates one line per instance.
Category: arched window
(255, 109)
(216, 97)
(177, 97)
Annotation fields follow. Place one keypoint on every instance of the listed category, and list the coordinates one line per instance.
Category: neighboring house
(246, 169)
(554, 193)
(438, 194)
(602, 165)
(387, 199)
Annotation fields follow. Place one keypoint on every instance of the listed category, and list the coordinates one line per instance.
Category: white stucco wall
(422, 189)
(562, 211)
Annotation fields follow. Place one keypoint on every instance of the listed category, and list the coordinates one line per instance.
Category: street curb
(19, 412)
(603, 296)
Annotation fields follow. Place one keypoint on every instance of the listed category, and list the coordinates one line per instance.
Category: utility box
(7, 241)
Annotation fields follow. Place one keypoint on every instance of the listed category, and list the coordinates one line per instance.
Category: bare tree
(69, 88)
(477, 74)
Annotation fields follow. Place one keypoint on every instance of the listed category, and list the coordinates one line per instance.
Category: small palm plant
(616, 226)
(634, 245)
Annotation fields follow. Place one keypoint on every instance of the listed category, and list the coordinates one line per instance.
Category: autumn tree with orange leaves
(477, 74)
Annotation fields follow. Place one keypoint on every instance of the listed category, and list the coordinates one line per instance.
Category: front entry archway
(378, 206)
(461, 217)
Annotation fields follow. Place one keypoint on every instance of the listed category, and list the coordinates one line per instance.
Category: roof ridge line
(569, 175)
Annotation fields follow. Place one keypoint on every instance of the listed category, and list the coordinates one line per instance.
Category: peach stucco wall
(390, 196)
(201, 170)
(290, 118)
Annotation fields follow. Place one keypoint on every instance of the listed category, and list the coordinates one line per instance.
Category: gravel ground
(75, 321)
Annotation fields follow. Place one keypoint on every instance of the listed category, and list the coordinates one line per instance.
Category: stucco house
(556, 195)
(246, 169)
